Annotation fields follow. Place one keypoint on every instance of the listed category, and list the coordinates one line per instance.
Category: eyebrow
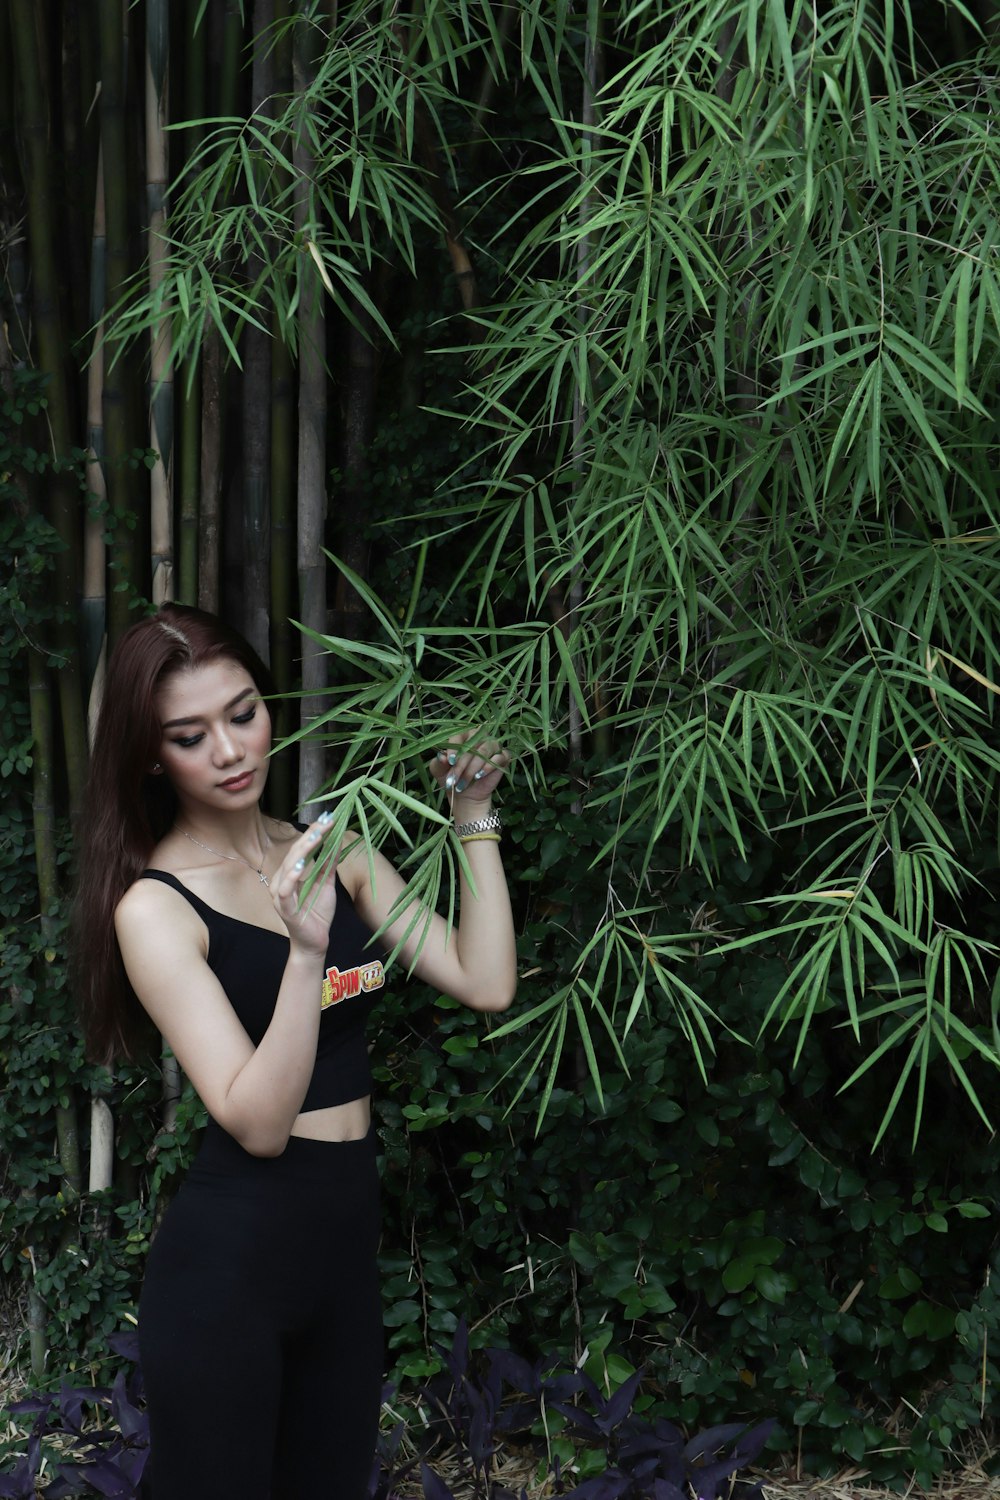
(200, 718)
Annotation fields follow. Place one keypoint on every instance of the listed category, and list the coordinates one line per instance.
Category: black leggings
(260, 1327)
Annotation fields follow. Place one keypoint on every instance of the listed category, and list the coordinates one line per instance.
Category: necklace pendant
(262, 877)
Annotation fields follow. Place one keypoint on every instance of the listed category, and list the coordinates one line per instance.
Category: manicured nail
(452, 757)
(480, 773)
(449, 781)
(314, 836)
(326, 817)
(460, 786)
(299, 865)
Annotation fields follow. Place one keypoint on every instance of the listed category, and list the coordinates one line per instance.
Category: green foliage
(720, 533)
(737, 1240)
(712, 477)
(80, 1253)
(728, 522)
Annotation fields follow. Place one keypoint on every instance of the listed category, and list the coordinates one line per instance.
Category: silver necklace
(258, 870)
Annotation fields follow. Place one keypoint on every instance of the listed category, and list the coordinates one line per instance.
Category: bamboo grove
(621, 376)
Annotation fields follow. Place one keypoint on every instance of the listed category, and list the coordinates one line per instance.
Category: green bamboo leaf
(569, 672)
(944, 1043)
(557, 1042)
(962, 302)
(587, 1042)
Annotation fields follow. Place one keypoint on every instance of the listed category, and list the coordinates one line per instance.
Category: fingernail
(299, 865)
(480, 774)
(314, 836)
(449, 782)
(442, 755)
(460, 786)
(326, 817)
(452, 757)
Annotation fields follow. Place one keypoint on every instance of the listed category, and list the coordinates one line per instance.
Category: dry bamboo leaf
(324, 277)
(970, 672)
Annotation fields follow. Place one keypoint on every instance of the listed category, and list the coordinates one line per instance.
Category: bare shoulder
(151, 909)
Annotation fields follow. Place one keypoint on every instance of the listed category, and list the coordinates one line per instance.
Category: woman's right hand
(307, 916)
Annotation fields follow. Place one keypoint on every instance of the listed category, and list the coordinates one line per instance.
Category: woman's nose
(226, 749)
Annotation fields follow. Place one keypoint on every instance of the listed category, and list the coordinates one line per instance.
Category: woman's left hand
(471, 773)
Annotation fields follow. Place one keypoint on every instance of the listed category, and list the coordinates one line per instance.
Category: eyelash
(189, 742)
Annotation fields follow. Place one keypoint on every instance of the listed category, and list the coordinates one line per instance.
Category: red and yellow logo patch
(348, 985)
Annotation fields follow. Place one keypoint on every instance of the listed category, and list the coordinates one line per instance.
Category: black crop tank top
(249, 963)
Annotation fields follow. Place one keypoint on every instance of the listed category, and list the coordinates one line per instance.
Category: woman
(259, 1320)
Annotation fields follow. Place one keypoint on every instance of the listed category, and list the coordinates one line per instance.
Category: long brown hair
(127, 809)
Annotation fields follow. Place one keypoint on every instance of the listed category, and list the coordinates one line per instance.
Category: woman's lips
(237, 783)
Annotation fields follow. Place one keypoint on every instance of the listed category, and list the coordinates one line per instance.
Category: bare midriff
(340, 1122)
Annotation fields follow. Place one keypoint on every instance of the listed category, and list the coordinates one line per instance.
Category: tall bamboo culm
(256, 392)
(312, 464)
(28, 32)
(94, 604)
(117, 445)
(161, 376)
(283, 560)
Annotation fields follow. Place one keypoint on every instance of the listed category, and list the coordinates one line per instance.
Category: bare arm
(477, 962)
(253, 1092)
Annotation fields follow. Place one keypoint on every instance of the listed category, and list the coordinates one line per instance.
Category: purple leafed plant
(652, 1460)
(111, 1458)
(475, 1400)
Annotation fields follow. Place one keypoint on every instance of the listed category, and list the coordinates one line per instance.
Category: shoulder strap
(201, 907)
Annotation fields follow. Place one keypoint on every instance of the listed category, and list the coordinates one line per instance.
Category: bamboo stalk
(359, 429)
(256, 390)
(37, 1343)
(35, 1320)
(311, 503)
(161, 378)
(102, 1145)
(458, 254)
(227, 40)
(116, 424)
(281, 782)
(189, 445)
(488, 87)
(47, 873)
(170, 1089)
(282, 779)
(27, 22)
(211, 472)
(188, 487)
(74, 177)
(591, 84)
(232, 44)
(94, 602)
